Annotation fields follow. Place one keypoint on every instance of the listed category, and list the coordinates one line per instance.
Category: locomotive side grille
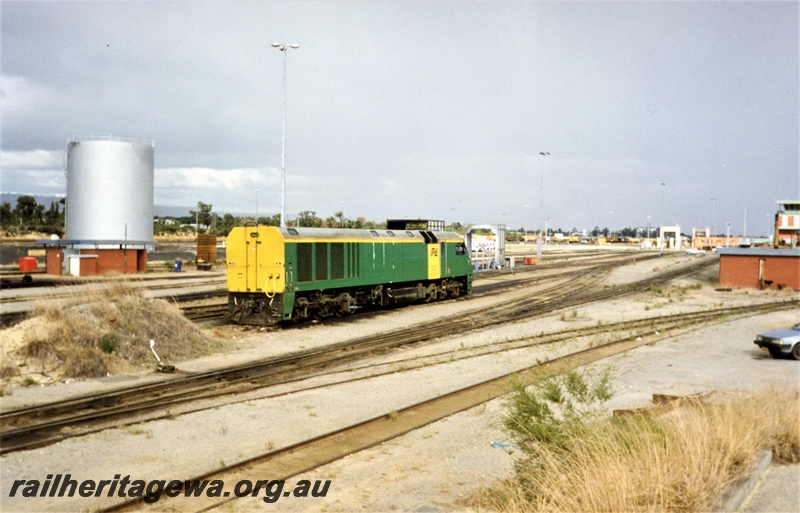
(304, 261)
(337, 260)
(321, 257)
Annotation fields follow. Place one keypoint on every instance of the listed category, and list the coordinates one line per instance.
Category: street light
(713, 217)
(541, 197)
(728, 233)
(744, 226)
(525, 223)
(546, 230)
(283, 48)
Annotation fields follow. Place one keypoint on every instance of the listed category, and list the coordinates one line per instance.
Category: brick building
(759, 268)
(787, 223)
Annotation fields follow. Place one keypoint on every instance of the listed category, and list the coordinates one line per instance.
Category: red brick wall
(114, 260)
(53, 261)
(108, 260)
(743, 271)
(88, 266)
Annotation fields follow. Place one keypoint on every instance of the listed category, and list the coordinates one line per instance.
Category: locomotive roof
(351, 233)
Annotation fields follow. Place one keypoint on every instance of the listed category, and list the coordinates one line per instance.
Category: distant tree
(340, 216)
(6, 216)
(308, 218)
(54, 217)
(28, 211)
(458, 227)
(226, 224)
(274, 220)
(202, 215)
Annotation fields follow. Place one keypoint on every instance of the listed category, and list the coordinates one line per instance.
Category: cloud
(215, 179)
(34, 159)
(422, 109)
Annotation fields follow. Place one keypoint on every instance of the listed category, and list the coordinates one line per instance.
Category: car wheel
(796, 351)
(775, 352)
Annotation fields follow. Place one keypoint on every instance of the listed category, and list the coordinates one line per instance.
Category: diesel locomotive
(290, 274)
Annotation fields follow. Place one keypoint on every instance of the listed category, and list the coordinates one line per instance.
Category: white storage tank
(110, 191)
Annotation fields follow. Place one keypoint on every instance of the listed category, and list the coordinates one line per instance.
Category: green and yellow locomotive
(284, 274)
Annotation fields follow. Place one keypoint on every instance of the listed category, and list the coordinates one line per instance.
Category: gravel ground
(431, 469)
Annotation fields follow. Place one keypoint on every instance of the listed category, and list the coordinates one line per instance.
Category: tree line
(28, 216)
(205, 220)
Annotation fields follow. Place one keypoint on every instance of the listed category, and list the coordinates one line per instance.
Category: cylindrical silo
(110, 191)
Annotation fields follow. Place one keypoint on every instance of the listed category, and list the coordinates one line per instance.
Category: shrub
(678, 462)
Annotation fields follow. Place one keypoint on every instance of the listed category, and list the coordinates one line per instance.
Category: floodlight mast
(283, 48)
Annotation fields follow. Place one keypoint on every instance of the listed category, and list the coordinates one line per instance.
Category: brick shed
(759, 268)
(88, 258)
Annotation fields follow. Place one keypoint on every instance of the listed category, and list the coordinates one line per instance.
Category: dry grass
(109, 330)
(680, 462)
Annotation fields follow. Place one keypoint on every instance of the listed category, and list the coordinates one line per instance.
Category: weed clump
(574, 458)
(109, 330)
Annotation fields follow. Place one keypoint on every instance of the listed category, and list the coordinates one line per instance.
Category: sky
(526, 113)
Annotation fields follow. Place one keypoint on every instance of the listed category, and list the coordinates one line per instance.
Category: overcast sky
(435, 109)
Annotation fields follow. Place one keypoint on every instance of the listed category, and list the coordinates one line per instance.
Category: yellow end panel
(256, 260)
(235, 251)
(434, 262)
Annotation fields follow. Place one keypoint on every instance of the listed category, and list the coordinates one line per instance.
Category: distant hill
(11, 199)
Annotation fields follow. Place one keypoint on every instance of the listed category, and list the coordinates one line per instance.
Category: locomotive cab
(256, 275)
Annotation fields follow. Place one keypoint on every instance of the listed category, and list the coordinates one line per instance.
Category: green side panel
(455, 262)
(288, 305)
(392, 263)
(315, 266)
(290, 266)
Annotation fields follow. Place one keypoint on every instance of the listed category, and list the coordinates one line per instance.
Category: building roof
(759, 252)
(791, 205)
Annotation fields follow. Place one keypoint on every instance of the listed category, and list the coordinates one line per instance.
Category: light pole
(713, 217)
(283, 48)
(744, 226)
(256, 206)
(546, 230)
(541, 196)
(525, 240)
(728, 233)
(610, 225)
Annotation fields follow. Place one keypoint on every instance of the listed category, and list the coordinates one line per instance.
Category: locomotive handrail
(274, 287)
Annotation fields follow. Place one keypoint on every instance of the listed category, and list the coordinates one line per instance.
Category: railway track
(44, 424)
(15, 305)
(286, 462)
(523, 276)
